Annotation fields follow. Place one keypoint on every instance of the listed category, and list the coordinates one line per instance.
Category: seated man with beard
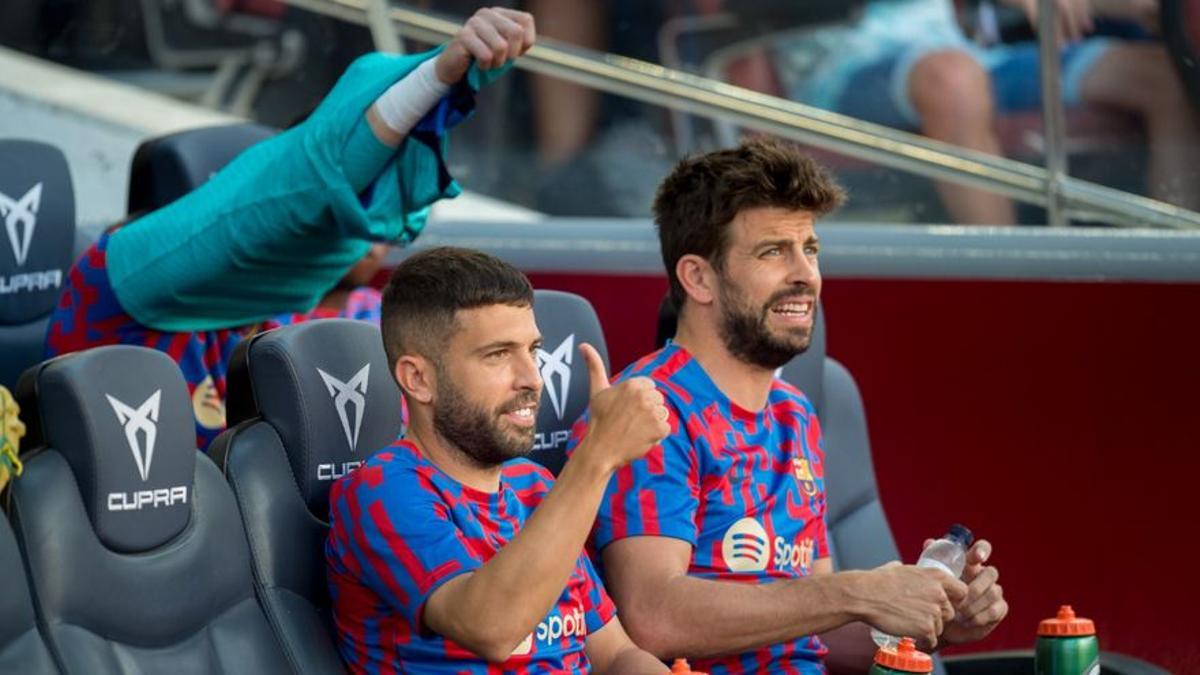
(714, 544)
(450, 553)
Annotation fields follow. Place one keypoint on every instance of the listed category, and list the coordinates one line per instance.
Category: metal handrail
(677, 90)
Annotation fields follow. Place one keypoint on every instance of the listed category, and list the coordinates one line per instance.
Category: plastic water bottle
(948, 554)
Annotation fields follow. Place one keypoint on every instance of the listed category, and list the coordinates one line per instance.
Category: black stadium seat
(22, 649)
(307, 404)
(566, 320)
(168, 167)
(136, 555)
(37, 244)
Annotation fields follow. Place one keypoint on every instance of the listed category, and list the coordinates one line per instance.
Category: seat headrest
(122, 418)
(37, 229)
(807, 371)
(168, 167)
(326, 388)
(565, 320)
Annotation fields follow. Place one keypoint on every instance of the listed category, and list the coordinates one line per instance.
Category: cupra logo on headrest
(143, 419)
(344, 393)
(557, 363)
(20, 219)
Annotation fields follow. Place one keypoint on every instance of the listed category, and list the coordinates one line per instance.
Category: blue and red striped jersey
(88, 315)
(746, 489)
(400, 528)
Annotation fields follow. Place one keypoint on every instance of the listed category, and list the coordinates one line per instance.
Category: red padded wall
(1059, 420)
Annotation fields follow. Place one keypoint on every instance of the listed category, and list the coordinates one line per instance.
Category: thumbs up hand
(627, 419)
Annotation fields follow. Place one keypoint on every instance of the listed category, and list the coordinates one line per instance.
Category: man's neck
(745, 384)
(449, 458)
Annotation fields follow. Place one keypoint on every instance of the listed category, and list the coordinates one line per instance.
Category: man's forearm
(500, 603)
(695, 617)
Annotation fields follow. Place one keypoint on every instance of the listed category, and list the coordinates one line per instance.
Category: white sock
(407, 101)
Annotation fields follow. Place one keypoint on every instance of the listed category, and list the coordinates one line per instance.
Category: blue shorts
(878, 91)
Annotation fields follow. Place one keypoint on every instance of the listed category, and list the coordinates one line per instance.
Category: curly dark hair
(698, 200)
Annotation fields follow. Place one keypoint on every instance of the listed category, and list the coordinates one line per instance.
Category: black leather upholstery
(565, 320)
(22, 649)
(326, 389)
(308, 386)
(162, 581)
(168, 167)
(37, 241)
(125, 427)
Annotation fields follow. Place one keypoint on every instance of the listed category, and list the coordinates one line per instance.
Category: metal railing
(685, 92)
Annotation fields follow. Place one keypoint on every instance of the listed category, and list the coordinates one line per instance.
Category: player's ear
(417, 377)
(698, 278)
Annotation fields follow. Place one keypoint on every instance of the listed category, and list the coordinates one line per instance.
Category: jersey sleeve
(657, 495)
(285, 220)
(598, 607)
(403, 542)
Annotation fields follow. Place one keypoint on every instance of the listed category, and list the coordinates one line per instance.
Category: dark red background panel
(1059, 420)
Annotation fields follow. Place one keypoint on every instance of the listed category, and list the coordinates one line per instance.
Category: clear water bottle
(948, 554)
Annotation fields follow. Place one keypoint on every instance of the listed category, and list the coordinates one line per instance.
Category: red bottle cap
(904, 656)
(1066, 624)
(681, 667)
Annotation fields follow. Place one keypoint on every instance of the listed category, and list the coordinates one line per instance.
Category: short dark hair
(426, 290)
(698, 200)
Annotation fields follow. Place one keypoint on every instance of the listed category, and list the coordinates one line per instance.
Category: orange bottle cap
(904, 656)
(681, 667)
(1066, 624)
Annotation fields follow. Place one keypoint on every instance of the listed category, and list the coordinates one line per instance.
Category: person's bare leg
(953, 97)
(1137, 77)
(565, 114)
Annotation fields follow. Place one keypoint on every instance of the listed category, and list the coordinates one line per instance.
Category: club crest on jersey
(804, 477)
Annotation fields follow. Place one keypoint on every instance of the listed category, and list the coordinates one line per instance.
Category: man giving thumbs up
(438, 560)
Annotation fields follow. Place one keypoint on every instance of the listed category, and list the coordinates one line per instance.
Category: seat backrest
(566, 320)
(308, 403)
(22, 649)
(37, 241)
(136, 555)
(167, 167)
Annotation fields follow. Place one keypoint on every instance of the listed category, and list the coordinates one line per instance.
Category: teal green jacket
(279, 226)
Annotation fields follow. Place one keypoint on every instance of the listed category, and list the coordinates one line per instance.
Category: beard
(744, 329)
(476, 432)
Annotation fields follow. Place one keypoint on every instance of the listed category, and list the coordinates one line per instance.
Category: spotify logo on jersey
(745, 547)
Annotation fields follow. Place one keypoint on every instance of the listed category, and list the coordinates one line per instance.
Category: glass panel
(964, 72)
(571, 150)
